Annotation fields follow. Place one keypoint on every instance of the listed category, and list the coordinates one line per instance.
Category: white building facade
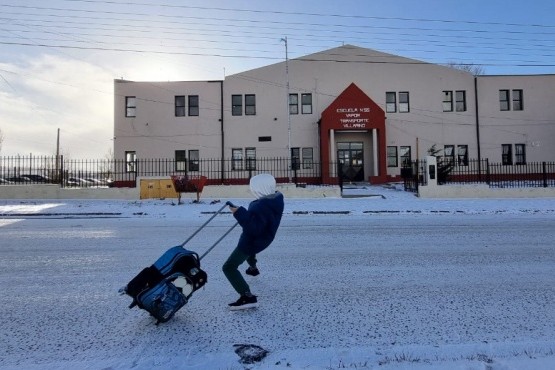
(368, 110)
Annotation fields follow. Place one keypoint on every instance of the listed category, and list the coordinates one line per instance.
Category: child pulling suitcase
(164, 287)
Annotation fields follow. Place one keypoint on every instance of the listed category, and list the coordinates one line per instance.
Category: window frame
(307, 158)
(406, 157)
(404, 106)
(250, 105)
(250, 159)
(179, 101)
(193, 109)
(236, 105)
(449, 154)
(507, 154)
(460, 104)
(504, 100)
(294, 106)
(306, 103)
(392, 158)
(520, 154)
(130, 109)
(295, 158)
(517, 102)
(237, 159)
(390, 105)
(130, 161)
(447, 99)
(180, 160)
(462, 159)
(194, 160)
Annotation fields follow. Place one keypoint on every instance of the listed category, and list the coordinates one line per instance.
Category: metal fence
(496, 175)
(121, 173)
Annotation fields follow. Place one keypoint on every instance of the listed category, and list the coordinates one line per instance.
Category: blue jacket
(260, 223)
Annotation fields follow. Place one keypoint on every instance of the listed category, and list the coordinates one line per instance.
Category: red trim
(353, 110)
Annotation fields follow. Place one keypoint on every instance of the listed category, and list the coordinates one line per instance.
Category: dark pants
(231, 272)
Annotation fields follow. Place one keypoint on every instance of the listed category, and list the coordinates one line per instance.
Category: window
(507, 154)
(520, 153)
(295, 158)
(250, 105)
(462, 155)
(130, 161)
(504, 100)
(392, 156)
(306, 103)
(405, 156)
(307, 158)
(194, 162)
(130, 106)
(264, 138)
(460, 101)
(193, 105)
(449, 154)
(236, 105)
(180, 106)
(293, 103)
(236, 159)
(390, 102)
(447, 101)
(250, 158)
(404, 102)
(517, 100)
(180, 161)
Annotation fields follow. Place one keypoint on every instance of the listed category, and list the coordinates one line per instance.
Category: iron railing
(121, 173)
(498, 175)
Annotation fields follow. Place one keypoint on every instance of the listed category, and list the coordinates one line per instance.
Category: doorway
(350, 157)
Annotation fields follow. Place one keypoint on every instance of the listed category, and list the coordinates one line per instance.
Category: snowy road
(372, 286)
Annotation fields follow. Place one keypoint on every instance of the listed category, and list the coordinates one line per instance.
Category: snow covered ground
(385, 282)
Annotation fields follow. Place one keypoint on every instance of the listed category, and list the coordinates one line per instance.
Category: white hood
(262, 185)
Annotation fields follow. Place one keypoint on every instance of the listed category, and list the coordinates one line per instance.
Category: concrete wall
(482, 191)
(209, 192)
(56, 192)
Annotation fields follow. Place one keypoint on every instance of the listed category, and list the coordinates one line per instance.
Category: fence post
(61, 173)
(544, 171)
(488, 179)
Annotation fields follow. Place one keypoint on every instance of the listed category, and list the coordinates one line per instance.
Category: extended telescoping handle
(203, 225)
(219, 240)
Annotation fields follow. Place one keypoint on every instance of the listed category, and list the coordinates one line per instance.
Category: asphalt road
(370, 281)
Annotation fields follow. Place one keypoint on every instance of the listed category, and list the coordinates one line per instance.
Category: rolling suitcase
(165, 287)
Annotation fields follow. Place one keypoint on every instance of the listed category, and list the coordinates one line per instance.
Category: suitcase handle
(203, 225)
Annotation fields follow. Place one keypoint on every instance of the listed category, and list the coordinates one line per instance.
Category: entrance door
(350, 156)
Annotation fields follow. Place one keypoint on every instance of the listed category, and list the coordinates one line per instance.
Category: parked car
(5, 181)
(19, 179)
(77, 182)
(38, 179)
(96, 182)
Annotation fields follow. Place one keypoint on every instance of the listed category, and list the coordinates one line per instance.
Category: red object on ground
(185, 184)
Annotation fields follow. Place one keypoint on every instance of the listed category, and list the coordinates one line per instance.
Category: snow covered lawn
(392, 282)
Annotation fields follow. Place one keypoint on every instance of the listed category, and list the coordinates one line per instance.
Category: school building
(368, 110)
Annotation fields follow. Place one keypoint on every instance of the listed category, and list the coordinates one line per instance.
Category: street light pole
(287, 106)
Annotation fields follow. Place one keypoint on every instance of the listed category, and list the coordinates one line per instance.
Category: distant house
(369, 110)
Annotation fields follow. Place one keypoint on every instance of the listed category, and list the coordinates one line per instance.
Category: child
(260, 223)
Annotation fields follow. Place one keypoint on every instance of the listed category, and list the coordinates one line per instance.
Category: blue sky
(58, 59)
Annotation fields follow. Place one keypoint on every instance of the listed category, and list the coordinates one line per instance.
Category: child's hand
(232, 207)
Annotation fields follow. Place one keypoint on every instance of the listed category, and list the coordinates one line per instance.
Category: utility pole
(287, 106)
